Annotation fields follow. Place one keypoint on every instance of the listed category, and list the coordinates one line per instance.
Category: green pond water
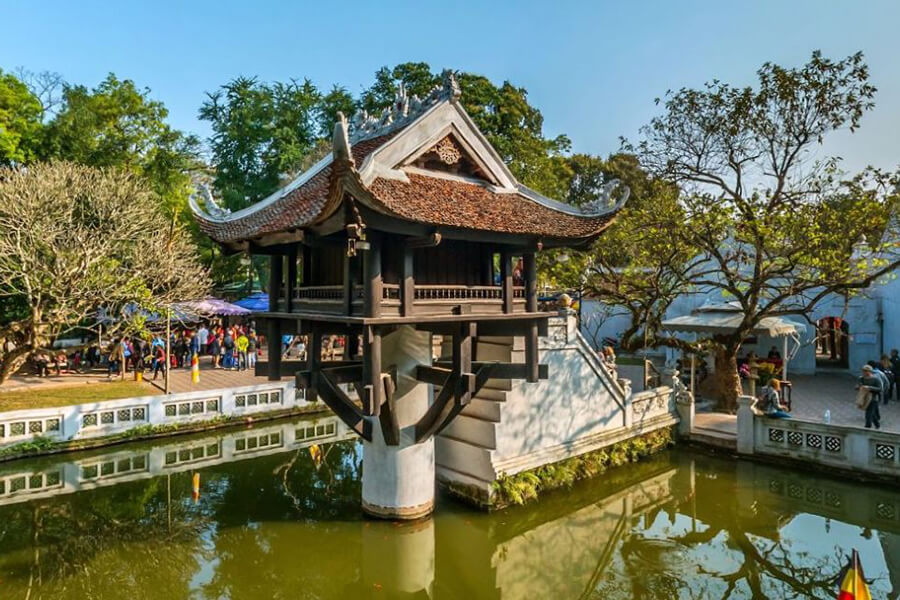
(269, 521)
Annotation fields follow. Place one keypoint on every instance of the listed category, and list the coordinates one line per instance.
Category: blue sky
(593, 68)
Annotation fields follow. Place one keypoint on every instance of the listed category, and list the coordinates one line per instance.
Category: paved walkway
(813, 394)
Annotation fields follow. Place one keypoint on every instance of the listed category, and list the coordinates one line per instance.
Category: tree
(262, 134)
(756, 219)
(118, 124)
(20, 121)
(74, 239)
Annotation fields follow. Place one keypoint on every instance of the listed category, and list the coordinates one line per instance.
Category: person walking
(215, 348)
(870, 389)
(895, 367)
(242, 343)
(159, 359)
(228, 345)
(252, 349)
(203, 340)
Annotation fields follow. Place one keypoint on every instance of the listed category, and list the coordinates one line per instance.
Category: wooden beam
(437, 413)
(276, 277)
(287, 368)
(335, 398)
(347, 308)
(462, 362)
(306, 271)
(432, 375)
(532, 371)
(426, 241)
(501, 370)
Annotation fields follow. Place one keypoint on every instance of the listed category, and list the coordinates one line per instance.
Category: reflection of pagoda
(412, 226)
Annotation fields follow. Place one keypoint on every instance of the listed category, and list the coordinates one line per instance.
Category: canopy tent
(726, 317)
(213, 306)
(258, 302)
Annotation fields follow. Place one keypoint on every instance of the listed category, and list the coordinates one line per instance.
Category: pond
(247, 514)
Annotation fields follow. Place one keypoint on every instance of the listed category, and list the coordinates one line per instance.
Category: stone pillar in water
(398, 481)
(398, 560)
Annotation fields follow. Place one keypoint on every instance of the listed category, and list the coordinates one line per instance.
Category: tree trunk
(13, 361)
(725, 383)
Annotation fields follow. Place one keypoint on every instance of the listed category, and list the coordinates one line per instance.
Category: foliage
(754, 219)
(261, 135)
(526, 486)
(20, 121)
(75, 238)
(118, 124)
(33, 446)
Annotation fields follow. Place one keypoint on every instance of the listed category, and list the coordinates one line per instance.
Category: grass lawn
(73, 394)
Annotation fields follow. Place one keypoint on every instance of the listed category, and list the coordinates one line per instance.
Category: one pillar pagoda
(412, 226)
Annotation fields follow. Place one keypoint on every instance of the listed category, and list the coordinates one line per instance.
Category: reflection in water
(277, 516)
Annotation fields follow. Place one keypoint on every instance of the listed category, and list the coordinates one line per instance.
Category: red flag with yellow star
(853, 584)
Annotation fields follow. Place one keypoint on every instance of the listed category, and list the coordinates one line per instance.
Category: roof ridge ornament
(211, 208)
(341, 141)
(403, 110)
(605, 203)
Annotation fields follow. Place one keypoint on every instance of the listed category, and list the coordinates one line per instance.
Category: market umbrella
(214, 306)
(257, 302)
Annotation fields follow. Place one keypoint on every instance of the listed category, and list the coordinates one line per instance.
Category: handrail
(392, 292)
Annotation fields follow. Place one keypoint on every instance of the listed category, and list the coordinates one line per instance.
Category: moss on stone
(528, 485)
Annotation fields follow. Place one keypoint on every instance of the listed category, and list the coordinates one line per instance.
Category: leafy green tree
(756, 219)
(335, 101)
(262, 135)
(20, 121)
(118, 124)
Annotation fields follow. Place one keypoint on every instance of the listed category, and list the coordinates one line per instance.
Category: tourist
(887, 368)
(194, 344)
(870, 388)
(774, 353)
(159, 359)
(252, 349)
(116, 358)
(242, 344)
(215, 348)
(228, 347)
(770, 401)
(42, 364)
(895, 367)
(203, 339)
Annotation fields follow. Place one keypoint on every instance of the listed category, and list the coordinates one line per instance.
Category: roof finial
(451, 86)
(341, 140)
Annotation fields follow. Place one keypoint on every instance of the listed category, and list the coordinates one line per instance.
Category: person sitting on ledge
(770, 401)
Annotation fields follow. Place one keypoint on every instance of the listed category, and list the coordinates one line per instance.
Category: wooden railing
(463, 292)
(390, 292)
(320, 293)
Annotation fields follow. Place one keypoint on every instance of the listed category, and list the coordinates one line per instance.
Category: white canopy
(723, 318)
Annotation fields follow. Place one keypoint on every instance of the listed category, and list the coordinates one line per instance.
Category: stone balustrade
(110, 417)
(842, 446)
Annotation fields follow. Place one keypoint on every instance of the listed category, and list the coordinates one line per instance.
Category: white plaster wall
(575, 396)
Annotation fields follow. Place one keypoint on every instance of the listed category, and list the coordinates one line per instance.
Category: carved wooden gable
(448, 155)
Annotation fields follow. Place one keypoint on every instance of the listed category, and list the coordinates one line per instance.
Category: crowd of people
(232, 348)
(877, 385)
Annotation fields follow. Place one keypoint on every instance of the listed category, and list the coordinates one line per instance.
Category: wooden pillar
(372, 278)
(407, 282)
(348, 285)
(530, 264)
(306, 273)
(531, 305)
(462, 362)
(276, 275)
(291, 277)
(313, 360)
(506, 280)
(372, 371)
(274, 333)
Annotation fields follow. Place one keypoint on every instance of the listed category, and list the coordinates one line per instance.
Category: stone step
(716, 439)
(487, 410)
(473, 430)
(463, 457)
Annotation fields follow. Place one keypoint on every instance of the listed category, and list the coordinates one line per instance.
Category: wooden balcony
(427, 300)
